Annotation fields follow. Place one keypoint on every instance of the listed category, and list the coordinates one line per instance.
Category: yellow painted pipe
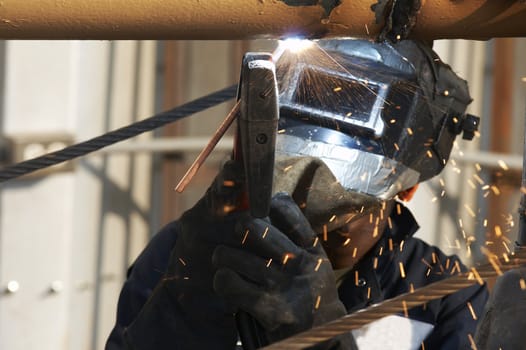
(245, 19)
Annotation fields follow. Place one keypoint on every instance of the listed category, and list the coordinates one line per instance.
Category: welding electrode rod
(248, 19)
(190, 173)
(400, 304)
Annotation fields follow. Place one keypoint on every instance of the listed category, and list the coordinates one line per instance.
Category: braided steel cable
(401, 303)
(121, 134)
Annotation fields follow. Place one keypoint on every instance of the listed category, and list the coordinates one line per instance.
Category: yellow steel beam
(244, 19)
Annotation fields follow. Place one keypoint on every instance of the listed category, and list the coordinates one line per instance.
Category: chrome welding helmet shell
(382, 116)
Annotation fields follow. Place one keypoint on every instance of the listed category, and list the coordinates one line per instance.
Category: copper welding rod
(401, 303)
(190, 173)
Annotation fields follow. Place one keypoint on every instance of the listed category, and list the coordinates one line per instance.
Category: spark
(455, 268)
(389, 222)
(182, 261)
(477, 276)
(281, 131)
(325, 233)
(429, 154)
(404, 304)
(493, 261)
(269, 262)
(354, 252)
(485, 223)
(245, 237)
(392, 121)
(498, 231)
(506, 257)
(381, 251)
(320, 260)
(506, 247)
(446, 92)
(375, 263)
(336, 89)
(356, 278)
(522, 284)
(375, 232)
(434, 258)
(368, 292)
(410, 131)
(434, 199)
(347, 241)
(286, 258)
(472, 342)
(315, 243)
(472, 311)
(366, 29)
(318, 300)
(478, 167)
(265, 233)
(229, 183)
(332, 218)
(402, 270)
(396, 146)
(479, 180)
(495, 190)
(287, 168)
(411, 288)
(503, 165)
(402, 245)
(390, 244)
(398, 209)
(470, 211)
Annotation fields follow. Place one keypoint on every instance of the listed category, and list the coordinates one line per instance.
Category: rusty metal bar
(244, 19)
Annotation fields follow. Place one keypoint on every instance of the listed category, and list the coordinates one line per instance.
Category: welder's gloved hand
(280, 274)
(503, 325)
(187, 313)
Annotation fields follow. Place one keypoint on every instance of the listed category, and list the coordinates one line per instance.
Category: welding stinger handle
(258, 122)
(255, 145)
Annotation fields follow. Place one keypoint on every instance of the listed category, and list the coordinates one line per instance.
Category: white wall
(72, 230)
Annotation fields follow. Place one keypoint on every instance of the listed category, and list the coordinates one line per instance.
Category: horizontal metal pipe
(246, 19)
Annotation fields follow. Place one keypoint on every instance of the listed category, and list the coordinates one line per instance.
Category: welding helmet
(382, 116)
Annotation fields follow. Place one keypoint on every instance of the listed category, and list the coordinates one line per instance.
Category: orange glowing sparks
(498, 231)
(286, 258)
(325, 233)
(336, 89)
(390, 244)
(470, 211)
(402, 270)
(346, 243)
(332, 218)
(269, 262)
(182, 261)
(410, 131)
(287, 168)
(245, 237)
(315, 243)
(375, 263)
(503, 165)
(320, 260)
(354, 252)
(495, 190)
(522, 284)
(429, 154)
(470, 307)
(368, 292)
(265, 233)
(472, 342)
(477, 276)
(356, 278)
(404, 305)
(318, 300)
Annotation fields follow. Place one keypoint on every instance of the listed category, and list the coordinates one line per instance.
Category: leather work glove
(503, 325)
(184, 312)
(280, 274)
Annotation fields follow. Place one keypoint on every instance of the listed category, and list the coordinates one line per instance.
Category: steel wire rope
(121, 134)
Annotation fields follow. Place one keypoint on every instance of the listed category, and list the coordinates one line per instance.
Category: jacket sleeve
(142, 278)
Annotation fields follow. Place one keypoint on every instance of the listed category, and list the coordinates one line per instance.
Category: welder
(361, 125)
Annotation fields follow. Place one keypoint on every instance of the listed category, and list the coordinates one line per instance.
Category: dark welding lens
(345, 98)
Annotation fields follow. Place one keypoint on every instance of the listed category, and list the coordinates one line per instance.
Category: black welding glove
(184, 312)
(280, 274)
(503, 325)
